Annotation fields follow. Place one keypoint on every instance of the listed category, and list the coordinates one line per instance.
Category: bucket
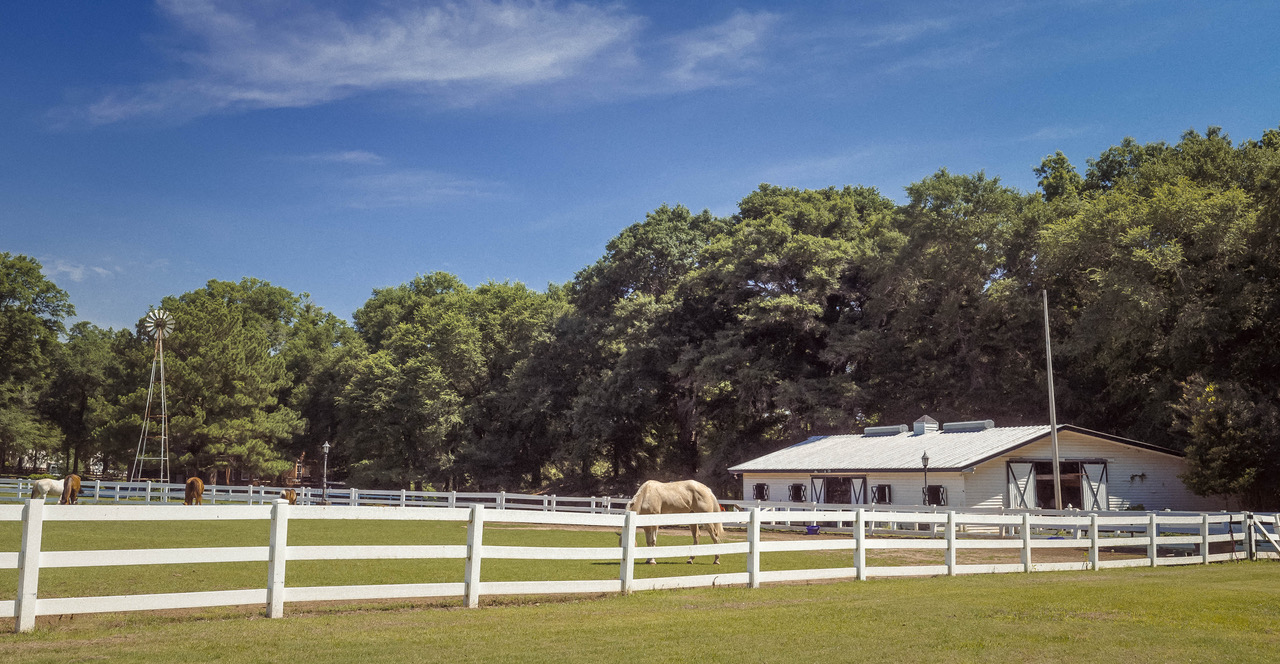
(811, 530)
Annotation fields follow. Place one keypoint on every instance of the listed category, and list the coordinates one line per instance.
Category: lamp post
(324, 492)
(924, 461)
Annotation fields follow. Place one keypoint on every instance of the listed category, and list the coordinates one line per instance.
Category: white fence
(1194, 534)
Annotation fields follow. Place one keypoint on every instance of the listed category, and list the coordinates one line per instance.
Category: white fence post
(951, 543)
(97, 490)
(276, 558)
(753, 548)
(453, 499)
(148, 498)
(475, 539)
(1094, 563)
(1204, 538)
(860, 537)
(402, 495)
(29, 565)
(628, 541)
(502, 500)
(553, 502)
(355, 497)
(1152, 531)
(1026, 541)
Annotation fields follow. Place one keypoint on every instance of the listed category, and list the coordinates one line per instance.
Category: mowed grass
(1218, 613)
(140, 579)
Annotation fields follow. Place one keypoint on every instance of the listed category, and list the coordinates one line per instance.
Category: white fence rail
(1238, 535)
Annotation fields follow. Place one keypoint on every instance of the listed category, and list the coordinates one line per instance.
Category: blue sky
(335, 148)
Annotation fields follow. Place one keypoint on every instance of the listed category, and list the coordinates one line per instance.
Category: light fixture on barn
(924, 462)
(153, 445)
(1053, 414)
(324, 491)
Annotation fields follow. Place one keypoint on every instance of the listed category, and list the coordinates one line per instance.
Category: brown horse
(290, 495)
(195, 492)
(70, 490)
(683, 497)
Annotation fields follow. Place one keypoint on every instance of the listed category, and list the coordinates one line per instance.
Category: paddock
(1104, 541)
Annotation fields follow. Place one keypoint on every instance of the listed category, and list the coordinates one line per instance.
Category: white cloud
(243, 55)
(412, 187)
(345, 157)
(286, 54)
(1058, 132)
(77, 272)
(705, 56)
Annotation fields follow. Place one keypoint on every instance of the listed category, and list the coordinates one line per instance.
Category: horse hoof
(653, 562)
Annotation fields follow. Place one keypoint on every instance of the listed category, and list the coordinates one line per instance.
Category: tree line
(698, 341)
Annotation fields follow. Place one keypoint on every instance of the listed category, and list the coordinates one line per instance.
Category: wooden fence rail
(1193, 533)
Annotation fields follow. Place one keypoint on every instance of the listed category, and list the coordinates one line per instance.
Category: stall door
(1095, 486)
(840, 490)
(1022, 485)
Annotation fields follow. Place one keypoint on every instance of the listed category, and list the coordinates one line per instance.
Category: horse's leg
(693, 528)
(651, 539)
(715, 538)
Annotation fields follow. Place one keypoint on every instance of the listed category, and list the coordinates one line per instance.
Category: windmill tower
(153, 444)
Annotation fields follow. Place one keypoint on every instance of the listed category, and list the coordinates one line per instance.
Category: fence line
(1195, 534)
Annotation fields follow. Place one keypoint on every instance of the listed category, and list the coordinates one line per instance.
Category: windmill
(153, 446)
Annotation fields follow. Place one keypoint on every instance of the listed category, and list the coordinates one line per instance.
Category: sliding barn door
(1094, 486)
(1022, 485)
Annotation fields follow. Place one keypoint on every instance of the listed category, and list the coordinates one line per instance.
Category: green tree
(32, 309)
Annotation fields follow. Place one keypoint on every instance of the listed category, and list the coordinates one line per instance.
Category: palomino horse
(290, 495)
(683, 497)
(194, 492)
(46, 486)
(70, 490)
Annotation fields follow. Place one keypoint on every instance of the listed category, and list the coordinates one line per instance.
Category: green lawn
(1218, 613)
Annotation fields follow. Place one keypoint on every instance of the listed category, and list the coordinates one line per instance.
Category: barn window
(1072, 494)
(797, 493)
(760, 491)
(881, 494)
(935, 494)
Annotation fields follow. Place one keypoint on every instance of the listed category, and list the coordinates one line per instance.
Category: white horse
(683, 497)
(46, 486)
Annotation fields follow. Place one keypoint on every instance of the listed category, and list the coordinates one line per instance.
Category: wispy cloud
(238, 56)
(58, 268)
(276, 55)
(361, 157)
(706, 56)
(888, 34)
(1059, 132)
(413, 187)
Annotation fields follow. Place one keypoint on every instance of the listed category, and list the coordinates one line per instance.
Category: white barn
(973, 465)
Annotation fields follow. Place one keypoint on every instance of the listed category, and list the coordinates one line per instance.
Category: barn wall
(1135, 476)
(905, 485)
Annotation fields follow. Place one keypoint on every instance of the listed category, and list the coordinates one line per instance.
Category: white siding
(906, 486)
(1134, 476)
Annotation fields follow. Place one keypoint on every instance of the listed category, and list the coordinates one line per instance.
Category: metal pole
(1053, 414)
(325, 477)
(924, 461)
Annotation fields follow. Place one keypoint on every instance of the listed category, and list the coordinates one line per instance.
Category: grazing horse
(683, 497)
(70, 490)
(46, 486)
(290, 495)
(194, 493)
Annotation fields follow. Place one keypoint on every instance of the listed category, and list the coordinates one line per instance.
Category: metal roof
(948, 450)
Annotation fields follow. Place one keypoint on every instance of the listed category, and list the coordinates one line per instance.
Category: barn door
(819, 489)
(1094, 486)
(859, 490)
(1022, 485)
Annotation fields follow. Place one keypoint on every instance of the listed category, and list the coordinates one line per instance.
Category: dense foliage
(698, 341)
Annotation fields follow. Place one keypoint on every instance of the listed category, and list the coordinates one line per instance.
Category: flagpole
(1053, 415)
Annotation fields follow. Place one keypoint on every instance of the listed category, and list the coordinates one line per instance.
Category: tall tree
(32, 310)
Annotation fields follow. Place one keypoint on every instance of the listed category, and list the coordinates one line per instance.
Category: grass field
(1218, 613)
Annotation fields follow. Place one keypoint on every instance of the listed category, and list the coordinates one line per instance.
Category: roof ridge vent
(924, 425)
(891, 430)
(975, 425)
